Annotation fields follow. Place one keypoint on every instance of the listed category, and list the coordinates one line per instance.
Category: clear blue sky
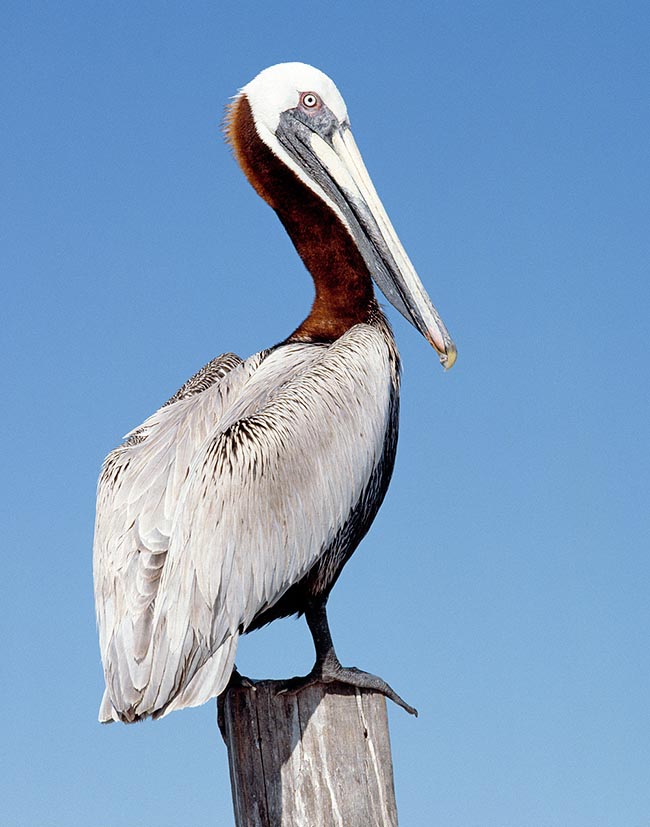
(503, 589)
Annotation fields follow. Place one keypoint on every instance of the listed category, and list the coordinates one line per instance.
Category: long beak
(375, 236)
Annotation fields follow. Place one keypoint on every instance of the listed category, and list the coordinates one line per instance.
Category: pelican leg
(328, 669)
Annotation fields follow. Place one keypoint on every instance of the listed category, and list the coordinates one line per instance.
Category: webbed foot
(331, 671)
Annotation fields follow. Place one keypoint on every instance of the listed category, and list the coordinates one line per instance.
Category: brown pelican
(240, 500)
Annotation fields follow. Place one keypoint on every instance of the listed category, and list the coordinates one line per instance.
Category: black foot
(331, 673)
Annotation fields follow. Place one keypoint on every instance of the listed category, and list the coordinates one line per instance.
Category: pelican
(240, 500)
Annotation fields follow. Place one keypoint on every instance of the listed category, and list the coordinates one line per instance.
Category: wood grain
(317, 758)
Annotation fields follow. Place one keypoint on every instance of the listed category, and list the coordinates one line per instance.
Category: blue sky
(503, 589)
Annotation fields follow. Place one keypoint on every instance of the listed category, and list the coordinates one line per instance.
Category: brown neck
(344, 294)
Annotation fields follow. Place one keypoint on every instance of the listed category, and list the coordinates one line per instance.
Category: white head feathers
(279, 87)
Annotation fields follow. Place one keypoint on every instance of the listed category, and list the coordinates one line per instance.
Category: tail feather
(160, 698)
(208, 682)
(107, 712)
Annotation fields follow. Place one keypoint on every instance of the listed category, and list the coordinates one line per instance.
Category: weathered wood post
(317, 758)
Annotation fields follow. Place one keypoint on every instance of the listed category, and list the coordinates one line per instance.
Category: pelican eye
(309, 100)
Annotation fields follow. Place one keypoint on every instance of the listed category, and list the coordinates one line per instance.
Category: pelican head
(302, 119)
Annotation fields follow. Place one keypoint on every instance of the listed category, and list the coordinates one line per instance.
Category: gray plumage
(241, 496)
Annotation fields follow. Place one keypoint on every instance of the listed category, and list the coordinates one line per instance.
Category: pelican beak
(333, 161)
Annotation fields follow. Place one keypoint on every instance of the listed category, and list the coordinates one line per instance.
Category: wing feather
(139, 491)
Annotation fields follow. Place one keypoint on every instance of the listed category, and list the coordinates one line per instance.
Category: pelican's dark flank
(192, 547)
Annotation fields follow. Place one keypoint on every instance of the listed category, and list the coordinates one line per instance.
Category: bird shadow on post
(317, 758)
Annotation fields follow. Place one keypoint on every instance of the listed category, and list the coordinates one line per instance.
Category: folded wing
(273, 475)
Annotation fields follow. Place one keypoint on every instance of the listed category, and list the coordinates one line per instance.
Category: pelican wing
(266, 495)
(138, 490)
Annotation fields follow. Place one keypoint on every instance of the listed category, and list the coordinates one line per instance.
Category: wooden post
(317, 758)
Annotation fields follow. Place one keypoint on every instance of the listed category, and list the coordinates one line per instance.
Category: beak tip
(442, 343)
(448, 359)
